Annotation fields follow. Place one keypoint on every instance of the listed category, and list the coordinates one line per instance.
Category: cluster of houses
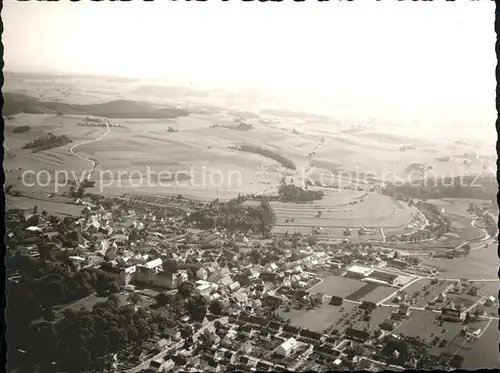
(250, 343)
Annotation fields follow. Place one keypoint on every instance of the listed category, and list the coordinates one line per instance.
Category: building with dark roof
(336, 301)
(291, 329)
(311, 335)
(326, 351)
(357, 335)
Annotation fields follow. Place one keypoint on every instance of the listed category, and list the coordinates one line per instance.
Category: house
(166, 280)
(311, 335)
(330, 341)
(275, 327)
(203, 290)
(473, 290)
(213, 366)
(286, 348)
(398, 263)
(358, 271)
(404, 310)
(168, 365)
(326, 351)
(161, 345)
(226, 281)
(246, 330)
(400, 296)
(441, 297)
(450, 314)
(234, 286)
(291, 330)
(272, 267)
(390, 278)
(201, 274)
(357, 335)
(263, 367)
(336, 301)
(229, 357)
(246, 348)
(262, 322)
(490, 301)
(365, 305)
(240, 297)
(182, 276)
(155, 365)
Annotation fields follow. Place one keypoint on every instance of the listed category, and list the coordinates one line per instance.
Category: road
(418, 278)
(94, 163)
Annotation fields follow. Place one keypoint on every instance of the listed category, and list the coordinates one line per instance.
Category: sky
(431, 60)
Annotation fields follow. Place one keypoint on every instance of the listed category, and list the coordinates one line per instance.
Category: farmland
(317, 319)
(341, 209)
(423, 324)
(337, 317)
(379, 293)
(337, 286)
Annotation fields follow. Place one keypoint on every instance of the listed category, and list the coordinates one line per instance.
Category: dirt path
(93, 162)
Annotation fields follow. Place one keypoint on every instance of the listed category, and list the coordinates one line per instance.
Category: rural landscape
(168, 229)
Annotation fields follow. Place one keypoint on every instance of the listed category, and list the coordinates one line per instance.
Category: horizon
(375, 74)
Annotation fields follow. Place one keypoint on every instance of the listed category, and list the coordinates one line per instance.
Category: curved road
(94, 163)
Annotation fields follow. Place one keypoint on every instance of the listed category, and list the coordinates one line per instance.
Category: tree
(48, 314)
(216, 307)
(185, 289)
(163, 299)
(134, 298)
(170, 265)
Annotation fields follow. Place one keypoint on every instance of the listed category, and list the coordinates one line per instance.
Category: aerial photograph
(234, 186)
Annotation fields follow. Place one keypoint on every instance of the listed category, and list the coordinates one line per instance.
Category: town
(167, 284)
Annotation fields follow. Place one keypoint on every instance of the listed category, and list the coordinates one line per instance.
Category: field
(483, 354)
(319, 318)
(337, 286)
(338, 318)
(146, 143)
(423, 324)
(341, 209)
(362, 292)
(378, 294)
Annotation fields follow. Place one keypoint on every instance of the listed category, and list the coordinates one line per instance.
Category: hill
(15, 103)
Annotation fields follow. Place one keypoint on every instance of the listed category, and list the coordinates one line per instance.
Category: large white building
(286, 347)
(359, 271)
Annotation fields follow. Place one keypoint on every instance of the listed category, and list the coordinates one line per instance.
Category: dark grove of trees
(44, 285)
(47, 142)
(233, 216)
(83, 341)
(292, 193)
(21, 129)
